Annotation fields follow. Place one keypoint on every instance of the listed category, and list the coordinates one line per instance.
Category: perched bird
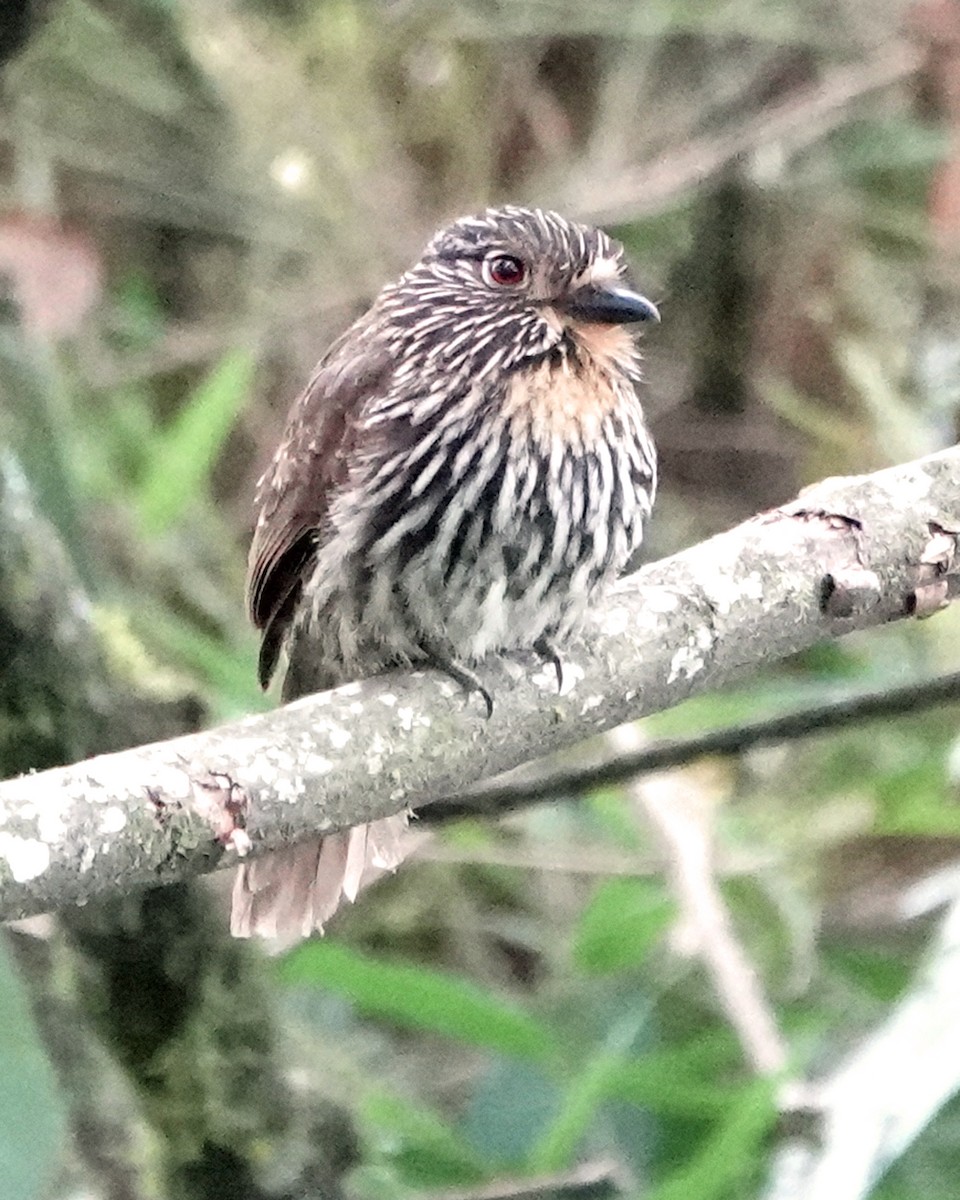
(465, 471)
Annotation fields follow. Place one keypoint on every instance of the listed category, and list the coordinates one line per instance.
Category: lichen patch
(26, 857)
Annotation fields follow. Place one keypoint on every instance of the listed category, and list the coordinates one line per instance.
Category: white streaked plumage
(468, 468)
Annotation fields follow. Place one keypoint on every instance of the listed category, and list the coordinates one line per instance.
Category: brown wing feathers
(273, 608)
(295, 491)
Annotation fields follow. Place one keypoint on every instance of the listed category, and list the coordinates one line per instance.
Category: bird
(465, 472)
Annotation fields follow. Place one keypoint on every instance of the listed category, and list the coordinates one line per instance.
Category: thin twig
(596, 1180)
(870, 705)
(679, 816)
(572, 860)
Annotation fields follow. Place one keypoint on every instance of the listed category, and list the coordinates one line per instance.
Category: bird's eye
(503, 270)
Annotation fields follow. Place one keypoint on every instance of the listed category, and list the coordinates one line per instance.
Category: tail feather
(289, 893)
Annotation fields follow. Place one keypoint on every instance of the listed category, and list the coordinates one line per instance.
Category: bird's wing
(294, 493)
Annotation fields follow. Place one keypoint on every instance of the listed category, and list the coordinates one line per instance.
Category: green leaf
(186, 451)
(729, 1156)
(876, 973)
(616, 816)
(83, 40)
(584, 1096)
(620, 925)
(916, 800)
(419, 998)
(889, 143)
(652, 1084)
(422, 1147)
(228, 669)
(32, 1116)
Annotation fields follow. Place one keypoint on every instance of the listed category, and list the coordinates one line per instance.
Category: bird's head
(510, 286)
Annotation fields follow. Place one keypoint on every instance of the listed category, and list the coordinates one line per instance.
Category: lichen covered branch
(848, 554)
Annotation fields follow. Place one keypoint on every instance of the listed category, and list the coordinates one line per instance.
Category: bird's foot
(469, 680)
(550, 654)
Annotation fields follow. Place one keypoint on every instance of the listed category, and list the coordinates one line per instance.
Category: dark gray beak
(609, 306)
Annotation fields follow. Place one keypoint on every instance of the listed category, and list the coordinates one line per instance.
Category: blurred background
(196, 196)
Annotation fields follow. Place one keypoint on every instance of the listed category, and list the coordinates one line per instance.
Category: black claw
(469, 680)
(549, 653)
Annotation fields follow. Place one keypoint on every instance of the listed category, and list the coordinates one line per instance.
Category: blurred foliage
(32, 1115)
(194, 199)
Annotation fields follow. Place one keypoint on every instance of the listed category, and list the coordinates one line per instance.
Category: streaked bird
(467, 469)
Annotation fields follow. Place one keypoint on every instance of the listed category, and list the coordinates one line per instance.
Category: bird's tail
(287, 894)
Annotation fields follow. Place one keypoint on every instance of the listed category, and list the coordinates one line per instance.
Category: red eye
(503, 270)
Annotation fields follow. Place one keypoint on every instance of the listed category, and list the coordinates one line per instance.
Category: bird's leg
(550, 654)
(469, 680)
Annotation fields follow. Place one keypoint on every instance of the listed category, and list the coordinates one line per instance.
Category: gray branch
(851, 1126)
(848, 554)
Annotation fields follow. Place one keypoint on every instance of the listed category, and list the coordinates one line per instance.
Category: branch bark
(848, 554)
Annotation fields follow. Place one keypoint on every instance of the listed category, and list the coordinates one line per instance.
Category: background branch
(533, 783)
(849, 1126)
(849, 554)
(682, 822)
(801, 117)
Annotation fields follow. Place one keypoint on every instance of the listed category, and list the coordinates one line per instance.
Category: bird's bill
(609, 306)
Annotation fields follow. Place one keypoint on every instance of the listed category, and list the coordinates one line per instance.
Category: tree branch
(682, 821)
(848, 554)
(843, 1131)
